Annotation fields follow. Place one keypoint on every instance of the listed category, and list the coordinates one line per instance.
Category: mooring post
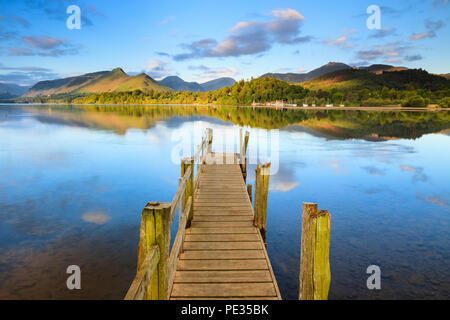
(189, 191)
(209, 140)
(249, 191)
(261, 192)
(247, 137)
(315, 275)
(155, 230)
(243, 143)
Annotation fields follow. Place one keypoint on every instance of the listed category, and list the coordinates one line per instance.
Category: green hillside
(352, 79)
(105, 81)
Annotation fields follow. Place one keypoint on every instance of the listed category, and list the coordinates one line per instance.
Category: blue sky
(202, 40)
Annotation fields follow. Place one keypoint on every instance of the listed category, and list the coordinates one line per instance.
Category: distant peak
(118, 70)
(332, 63)
(173, 77)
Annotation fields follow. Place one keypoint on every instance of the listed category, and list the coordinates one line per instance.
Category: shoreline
(281, 108)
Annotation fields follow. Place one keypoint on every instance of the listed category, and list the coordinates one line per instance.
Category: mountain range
(117, 80)
(329, 68)
(178, 84)
(302, 77)
(331, 75)
(10, 90)
(97, 82)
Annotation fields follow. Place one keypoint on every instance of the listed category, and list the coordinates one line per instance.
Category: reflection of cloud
(284, 180)
(336, 165)
(418, 174)
(374, 171)
(97, 217)
(283, 186)
(439, 200)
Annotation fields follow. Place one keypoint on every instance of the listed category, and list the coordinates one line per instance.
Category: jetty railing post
(155, 230)
(249, 191)
(261, 193)
(189, 191)
(247, 137)
(243, 143)
(209, 132)
(315, 275)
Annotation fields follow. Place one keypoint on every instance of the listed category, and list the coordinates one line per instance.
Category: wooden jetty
(219, 251)
(224, 256)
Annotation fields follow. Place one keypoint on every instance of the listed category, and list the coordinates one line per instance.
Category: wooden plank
(208, 212)
(222, 178)
(221, 187)
(223, 290)
(236, 264)
(218, 209)
(228, 298)
(222, 218)
(221, 230)
(222, 254)
(221, 224)
(222, 237)
(218, 195)
(192, 245)
(222, 203)
(216, 198)
(219, 205)
(222, 276)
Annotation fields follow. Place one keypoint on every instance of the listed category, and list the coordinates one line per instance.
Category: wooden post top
(311, 209)
(187, 160)
(157, 205)
(264, 169)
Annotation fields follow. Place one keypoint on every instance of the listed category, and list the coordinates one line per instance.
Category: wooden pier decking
(219, 250)
(223, 256)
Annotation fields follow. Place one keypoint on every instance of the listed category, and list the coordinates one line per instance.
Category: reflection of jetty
(219, 251)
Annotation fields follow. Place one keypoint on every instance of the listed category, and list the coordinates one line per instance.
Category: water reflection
(76, 178)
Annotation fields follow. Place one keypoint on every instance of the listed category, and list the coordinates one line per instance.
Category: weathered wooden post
(155, 230)
(243, 143)
(315, 275)
(189, 191)
(247, 137)
(209, 133)
(261, 192)
(249, 191)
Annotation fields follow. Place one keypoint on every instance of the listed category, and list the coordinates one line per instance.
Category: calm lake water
(75, 179)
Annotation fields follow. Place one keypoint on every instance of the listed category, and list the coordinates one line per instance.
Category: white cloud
(158, 69)
(250, 37)
(342, 40)
(206, 73)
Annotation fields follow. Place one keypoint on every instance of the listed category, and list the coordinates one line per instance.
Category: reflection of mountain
(342, 124)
